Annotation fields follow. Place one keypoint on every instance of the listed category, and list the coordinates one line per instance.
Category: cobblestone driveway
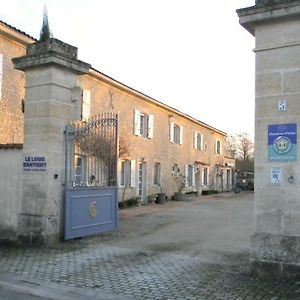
(141, 274)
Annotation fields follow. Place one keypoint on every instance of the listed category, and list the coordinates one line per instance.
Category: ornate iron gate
(91, 196)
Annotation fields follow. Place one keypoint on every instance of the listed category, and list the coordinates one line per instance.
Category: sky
(189, 54)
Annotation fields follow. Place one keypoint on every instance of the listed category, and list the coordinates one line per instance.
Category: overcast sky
(190, 54)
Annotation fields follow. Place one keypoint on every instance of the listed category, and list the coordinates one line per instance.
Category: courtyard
(181, 250)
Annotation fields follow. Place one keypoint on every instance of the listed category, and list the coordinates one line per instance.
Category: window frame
(126, 173)
(218, 147)
(176, 134)
(157, 174)
(198, 141)
(189, 171)
(86, 105)
(143, 124)
(205, 176)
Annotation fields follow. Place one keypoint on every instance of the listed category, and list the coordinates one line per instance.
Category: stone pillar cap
(267, 10)
(51, 51)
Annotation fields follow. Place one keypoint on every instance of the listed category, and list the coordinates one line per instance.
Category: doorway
(142, 168)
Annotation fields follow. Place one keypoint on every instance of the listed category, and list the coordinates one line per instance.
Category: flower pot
(161, 198)
(182, 197)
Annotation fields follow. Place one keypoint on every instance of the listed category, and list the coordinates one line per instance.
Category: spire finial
(45, 33)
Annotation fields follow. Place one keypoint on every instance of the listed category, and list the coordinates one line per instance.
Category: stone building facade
(12, 44)
(159, 142)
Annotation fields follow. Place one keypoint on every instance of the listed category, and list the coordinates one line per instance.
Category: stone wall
(10, 180)
(13, 81)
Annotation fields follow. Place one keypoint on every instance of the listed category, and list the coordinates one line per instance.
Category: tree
(242, 144)
(45, 33)
(246, 146)
(124, 147)
(231, 142)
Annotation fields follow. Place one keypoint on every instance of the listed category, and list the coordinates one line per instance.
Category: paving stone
(142, 275)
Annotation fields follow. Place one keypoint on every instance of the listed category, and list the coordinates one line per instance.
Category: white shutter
(119, 171)
(1, 73)
(193, 178)
(208, 177)
(137, 123)
(150, 126)
(201, 142)
(221, 148)
(186, 174)
(202, 176)
(216, 146)
(86, 105)
(172, 132)
(132, 173)
(195, 140)
(181, 135)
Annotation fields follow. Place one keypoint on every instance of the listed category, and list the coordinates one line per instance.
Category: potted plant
(180, 180)
(151, 198)
(161, 197)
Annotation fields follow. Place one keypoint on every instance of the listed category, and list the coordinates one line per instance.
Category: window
(176, 133)
(127, 176)
(86, 105)
(156, 175)
(190, 175)
(175, 169)
(198, 141)
(205, 176)
(1, 74)
(218, 147)
(79, 170)
(143, 124)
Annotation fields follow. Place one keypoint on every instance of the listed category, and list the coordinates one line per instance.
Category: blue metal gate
(91, 195)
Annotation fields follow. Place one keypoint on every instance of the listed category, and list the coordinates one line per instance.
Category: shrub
(210, 192)
(129, 202)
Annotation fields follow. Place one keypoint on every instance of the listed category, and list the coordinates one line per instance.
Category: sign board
(282, 105)
(282, 142)
(34, 163)
(276, 175)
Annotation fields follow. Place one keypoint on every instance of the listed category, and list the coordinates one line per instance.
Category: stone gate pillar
(276, 27)
(51, 68)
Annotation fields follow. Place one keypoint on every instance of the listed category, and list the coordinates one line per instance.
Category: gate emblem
(93, 210)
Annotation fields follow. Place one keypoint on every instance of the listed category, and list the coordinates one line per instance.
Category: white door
(142, 181)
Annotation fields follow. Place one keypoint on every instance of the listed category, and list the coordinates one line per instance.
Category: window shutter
(202, 176)
(1, 73)
(186, 174)
(132, 173)
(208, 177)
(193, 176)
(216, 146)
(195, 140)
(150, 126)
(220, 148)
(120, 167)
(137, 124)
(86, 105)
(201, 143)
(172, 132)
(181, 135)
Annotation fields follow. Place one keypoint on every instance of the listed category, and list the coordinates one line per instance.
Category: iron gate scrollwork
(91, 204)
